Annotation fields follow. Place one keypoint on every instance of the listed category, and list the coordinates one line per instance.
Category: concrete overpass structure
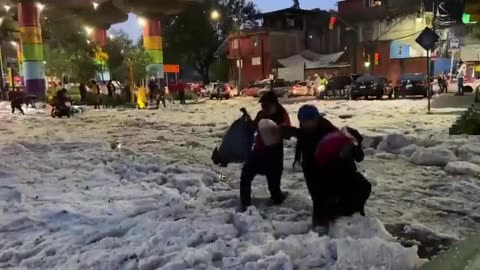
(98, 15)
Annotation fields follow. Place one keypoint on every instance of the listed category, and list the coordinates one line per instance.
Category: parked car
(226, 90)
(300, 89)
(412, 84)
(340, 85)
(252, 90)
(371, 85)
(353, 78)
(197, 88)
(281, 88)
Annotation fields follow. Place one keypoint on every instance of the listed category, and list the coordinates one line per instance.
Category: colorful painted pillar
(32, 48)
(19, 58)
(152, 43)
(99, 37)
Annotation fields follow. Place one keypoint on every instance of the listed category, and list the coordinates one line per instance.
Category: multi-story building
(385, 33)
(254, 53)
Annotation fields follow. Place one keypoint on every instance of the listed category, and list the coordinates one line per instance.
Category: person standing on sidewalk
(461, 72)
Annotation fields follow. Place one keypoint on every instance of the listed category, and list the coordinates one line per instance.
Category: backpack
(331, 146)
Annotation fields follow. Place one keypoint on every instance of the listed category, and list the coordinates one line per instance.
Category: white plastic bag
(269, 132)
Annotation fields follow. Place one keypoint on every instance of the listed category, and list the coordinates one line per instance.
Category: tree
(67, 51)
(122, 52)
(192, 37)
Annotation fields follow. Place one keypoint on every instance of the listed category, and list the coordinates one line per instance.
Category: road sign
(171, 68)
(427, 39)
(454, 44)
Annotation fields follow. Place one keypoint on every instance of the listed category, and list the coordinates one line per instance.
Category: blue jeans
(460, 85)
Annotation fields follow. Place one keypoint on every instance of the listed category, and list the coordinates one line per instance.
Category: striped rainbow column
(20, 59)
(152, 43)
(99, 37)
(32, 48)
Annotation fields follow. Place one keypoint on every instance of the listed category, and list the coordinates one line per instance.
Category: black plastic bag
(236, 143)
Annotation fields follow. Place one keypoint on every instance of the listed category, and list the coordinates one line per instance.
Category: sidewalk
(449, 100)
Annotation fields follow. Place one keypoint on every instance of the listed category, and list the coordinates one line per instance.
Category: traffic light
(367, 60)
(333, 21)
(377, 58)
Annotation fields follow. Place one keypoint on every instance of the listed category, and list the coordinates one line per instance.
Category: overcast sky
(133, 29)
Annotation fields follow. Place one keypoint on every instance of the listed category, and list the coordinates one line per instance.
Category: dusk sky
(134, 31)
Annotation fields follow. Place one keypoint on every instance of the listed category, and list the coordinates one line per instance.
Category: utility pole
(240, 61)
(132, 83)
(429, 60)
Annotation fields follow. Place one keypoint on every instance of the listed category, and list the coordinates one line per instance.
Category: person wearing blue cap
(330, 199)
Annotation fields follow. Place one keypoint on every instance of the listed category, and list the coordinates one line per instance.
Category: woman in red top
(263, 159)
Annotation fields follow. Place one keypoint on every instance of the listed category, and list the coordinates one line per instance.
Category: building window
(256, 41)
(256, 61)
(372, 3)
(235, 44)
(291, 22)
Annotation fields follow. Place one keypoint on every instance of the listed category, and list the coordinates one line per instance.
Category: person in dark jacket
(335, 185)
(16, 104)
(111, 89)
(153, 89)
(263, 159)
(83, 92)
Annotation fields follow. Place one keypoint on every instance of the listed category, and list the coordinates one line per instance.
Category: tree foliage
(67, 52)
(123, 52)
(192, 37)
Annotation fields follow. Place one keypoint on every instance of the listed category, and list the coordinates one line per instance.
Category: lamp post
(215, 16)
(130, 73)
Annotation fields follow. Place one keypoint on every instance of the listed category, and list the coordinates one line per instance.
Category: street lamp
(95, 5)
(14, 43)
(367, 64)
(88, 29)
(215, 15)
(40, 6)
(7, 7)
(142, 21)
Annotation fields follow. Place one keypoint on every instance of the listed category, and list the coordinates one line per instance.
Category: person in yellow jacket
(142, 97)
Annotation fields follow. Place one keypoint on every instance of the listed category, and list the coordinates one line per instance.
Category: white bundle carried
(269, 132)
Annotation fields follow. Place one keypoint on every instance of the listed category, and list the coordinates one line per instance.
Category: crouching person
(266, 157)
(336, 158)
(328, 157)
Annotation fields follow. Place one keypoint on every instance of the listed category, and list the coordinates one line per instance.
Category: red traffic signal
(377, 58)
(333, 21)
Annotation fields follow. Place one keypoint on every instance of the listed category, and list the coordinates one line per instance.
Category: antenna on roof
(296, 4)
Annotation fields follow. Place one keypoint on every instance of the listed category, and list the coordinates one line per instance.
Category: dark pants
(18, 107)
(460, 86)
(354, 196)
(337, 195)
(268, 163)
(160, 98)
(97, 102)
(83, 96)
(181, 95)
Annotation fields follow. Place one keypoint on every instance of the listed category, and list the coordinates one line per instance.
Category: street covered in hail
(136, 189)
